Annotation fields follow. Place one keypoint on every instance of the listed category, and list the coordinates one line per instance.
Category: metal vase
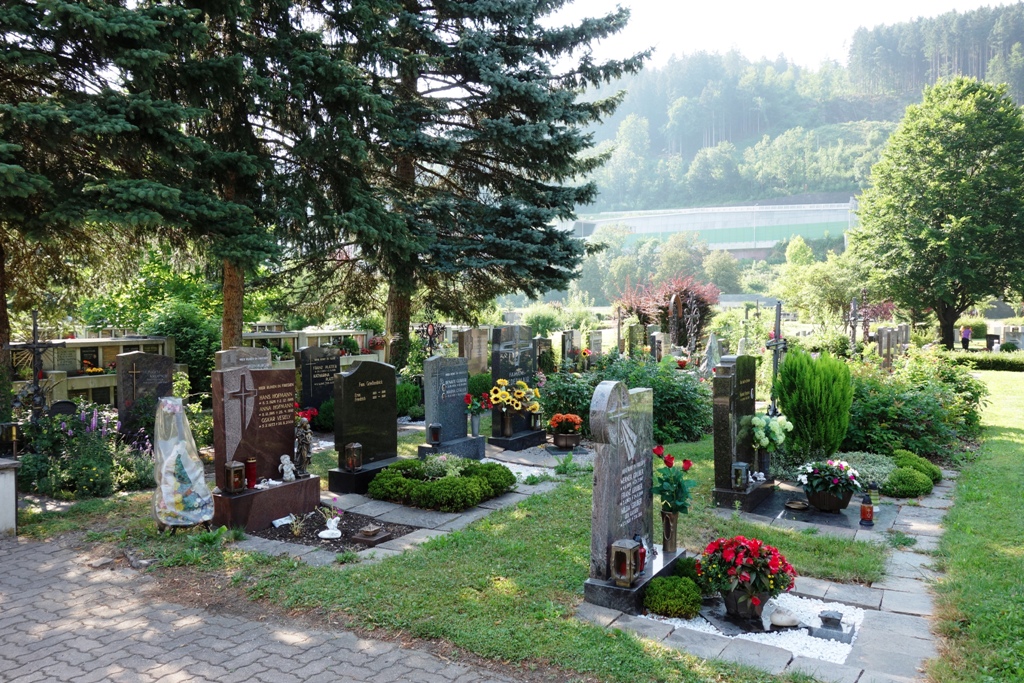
(506, 424)
(474, 425)
(669, 527)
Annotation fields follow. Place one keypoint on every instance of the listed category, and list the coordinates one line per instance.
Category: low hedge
(907, 459)
(673, 596)
(467, 484)
(989, 360)
(906, 482)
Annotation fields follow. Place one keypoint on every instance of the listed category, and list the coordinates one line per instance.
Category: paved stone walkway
(893, 642)
(62, 621)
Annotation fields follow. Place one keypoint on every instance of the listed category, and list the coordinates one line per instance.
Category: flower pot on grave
(738, 605)
(669, 526)
(506, 424)
(828, 502)
(567, 442)
(474, 425)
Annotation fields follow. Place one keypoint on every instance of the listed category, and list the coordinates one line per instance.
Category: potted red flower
(747, 572)
(566, 430)
(475, 407)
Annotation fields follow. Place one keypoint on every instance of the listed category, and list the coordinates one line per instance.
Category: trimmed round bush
(673, 596)
(904, 458)
(390, 484)
(499, 478)
(906, 482)
(407, 395)
(1007, 347)
(451, 494)
(686, 567)
(324, 419)
(479, 383)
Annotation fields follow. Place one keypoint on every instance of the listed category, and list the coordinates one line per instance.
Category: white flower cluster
(770, 432)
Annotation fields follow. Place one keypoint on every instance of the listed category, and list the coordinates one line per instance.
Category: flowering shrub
(671, 483)
(832, 476)
(770, 432)
(749, 565)
(477, 405)
(565, 423)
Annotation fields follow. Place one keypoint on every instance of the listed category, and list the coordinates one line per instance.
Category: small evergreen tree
(816, 395)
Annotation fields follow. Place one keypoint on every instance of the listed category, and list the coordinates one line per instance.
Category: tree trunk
(232, 290)
(947, 316)
(398, 317)
(5, 338)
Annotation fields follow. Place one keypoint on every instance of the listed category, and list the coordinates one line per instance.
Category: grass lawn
(981, 598)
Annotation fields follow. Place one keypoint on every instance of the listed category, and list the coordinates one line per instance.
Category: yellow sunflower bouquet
(518, 397)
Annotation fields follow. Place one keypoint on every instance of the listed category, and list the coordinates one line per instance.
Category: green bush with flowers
(770, 431)
(830, 476)
(746, 564)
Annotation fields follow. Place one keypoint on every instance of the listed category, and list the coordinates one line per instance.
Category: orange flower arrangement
(567, 423)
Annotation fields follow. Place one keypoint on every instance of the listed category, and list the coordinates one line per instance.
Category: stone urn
(828, 502)
(566, 442)
(474, 425)
(506, 424)
(738, 605)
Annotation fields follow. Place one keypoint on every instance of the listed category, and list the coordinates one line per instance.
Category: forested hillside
(709, 129)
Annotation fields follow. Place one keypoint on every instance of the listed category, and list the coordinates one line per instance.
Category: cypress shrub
(815, 394)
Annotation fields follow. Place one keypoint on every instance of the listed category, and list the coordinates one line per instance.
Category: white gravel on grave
(797, 641)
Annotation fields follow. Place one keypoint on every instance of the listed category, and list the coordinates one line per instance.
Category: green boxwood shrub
(989, 360)
(479, 383)
(686, 567)
(673, 596)
(815, 394)
(906, 482)
(417, 413)
(324, 420)
(904, 458)
(407, 395)
(498, 477)
(1008, 347)
(407, 482)
(450, 494)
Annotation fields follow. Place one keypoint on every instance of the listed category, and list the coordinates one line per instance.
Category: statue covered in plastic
(182, 497)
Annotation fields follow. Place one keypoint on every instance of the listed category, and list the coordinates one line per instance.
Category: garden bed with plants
(306, 530)
(441, 482)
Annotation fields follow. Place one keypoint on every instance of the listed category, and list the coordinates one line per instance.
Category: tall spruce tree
(486, 150)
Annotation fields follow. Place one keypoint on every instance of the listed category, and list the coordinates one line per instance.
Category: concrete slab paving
(430, 519)
(826, 672)
(896, 583)
(697, 643)
(597, 615)
(861, 596)
(646, 628)
(411, 540)
(465, 519)
(918, 604)
(503, 501)
(771, 659)
(375, 508)
(811, 588)
(344, 501)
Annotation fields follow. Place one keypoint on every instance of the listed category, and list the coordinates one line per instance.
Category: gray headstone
(636, 339)
(622, 424)
(445, 383)
(366, 411)
(571, 340)
(540, 345)
(512, 359)
(473, 347)
(65, 360)
(138, 375)
(734, 395)
(712, 356)
(596, 340)
(253, 417)
(317, 366)
(243, 357)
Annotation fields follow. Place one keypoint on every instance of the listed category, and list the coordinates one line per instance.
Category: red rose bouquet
(671, 484)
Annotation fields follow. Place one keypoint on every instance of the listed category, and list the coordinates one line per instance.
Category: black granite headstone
(141, 374)
(734, 395)
(512, 358)
(317, 366)
(365, 412)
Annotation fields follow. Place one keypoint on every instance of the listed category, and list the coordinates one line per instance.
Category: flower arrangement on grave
(90, 369)
(770, 432)
(829, 476)
(518, 397)
(377, 343)
(477, 405)
(565, 423)
(308, 413)
(670, 482)
(748, 568)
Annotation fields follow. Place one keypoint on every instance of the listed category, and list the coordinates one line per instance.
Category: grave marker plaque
(243, 356)
(512, 358)
(596, 340)
(138, 375)
(445, 384)
(90, 355)
(473, 347)
(366, 411)
(316, 370)
(65, 360)
(734, 396)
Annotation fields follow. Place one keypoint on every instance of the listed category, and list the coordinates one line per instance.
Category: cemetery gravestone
(317, 368)
(596, 340)
(712, 357)
(622, 423)
(90, 356)
(365, 412)
(141, 375)
(734, 396)
(571, 341)
(65, 360)
(243, 356)
(512, 358)
(445, 383)
(254, 420)
(473, 347)
(636, 339)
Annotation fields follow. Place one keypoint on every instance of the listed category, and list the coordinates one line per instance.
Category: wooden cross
(37, 348)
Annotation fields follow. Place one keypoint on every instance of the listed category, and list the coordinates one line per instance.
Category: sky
(806, 31)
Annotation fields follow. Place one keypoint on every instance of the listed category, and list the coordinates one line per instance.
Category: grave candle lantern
(739, 476)
(235, 476)
(250, 473)
(867, 512)
(354, 457)
(625, 562)
(873, 492)
(434, 434)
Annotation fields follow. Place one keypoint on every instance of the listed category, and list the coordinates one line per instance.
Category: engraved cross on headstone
(241, 395)
(134, 372)
(37, 348)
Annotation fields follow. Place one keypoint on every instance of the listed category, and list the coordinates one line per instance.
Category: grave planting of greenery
(441, 482)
